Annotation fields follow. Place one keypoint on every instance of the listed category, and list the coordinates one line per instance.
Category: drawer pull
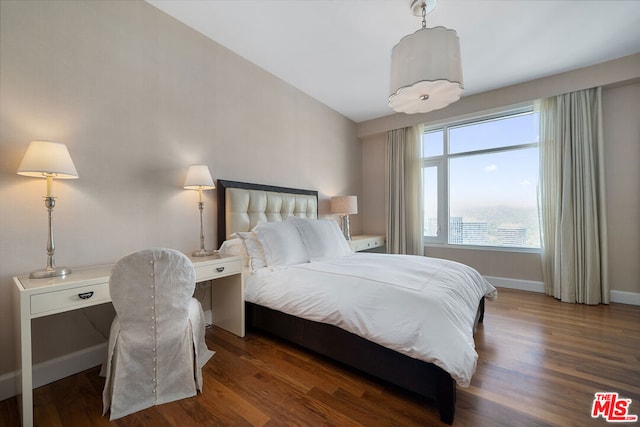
(219, 269)
(86, 295)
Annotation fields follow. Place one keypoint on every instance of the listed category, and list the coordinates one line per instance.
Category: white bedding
(422, 307)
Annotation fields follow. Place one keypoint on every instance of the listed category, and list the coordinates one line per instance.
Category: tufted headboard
(242, 205)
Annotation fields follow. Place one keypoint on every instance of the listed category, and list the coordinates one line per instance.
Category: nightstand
(227, 290)
(365, 242)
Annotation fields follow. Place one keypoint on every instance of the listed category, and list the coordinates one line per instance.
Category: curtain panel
(572, 198)
(403, 191)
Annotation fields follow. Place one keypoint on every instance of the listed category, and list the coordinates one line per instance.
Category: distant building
(431, 227)
(455, 230)
(512, 235)
(475, 233)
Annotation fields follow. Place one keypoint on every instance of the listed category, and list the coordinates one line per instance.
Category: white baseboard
(69, 364)
(55, 369)
(8, 385)
(522, 285)
(622, 297)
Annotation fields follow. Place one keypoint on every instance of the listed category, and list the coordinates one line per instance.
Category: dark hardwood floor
(541, 361)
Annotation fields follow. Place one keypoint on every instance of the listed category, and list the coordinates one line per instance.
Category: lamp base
(50, 272)
(346, 228)
(203, 252)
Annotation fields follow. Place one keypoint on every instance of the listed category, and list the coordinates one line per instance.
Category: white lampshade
(46, 158)
(426, 71)
(199, 178)
(344, 205)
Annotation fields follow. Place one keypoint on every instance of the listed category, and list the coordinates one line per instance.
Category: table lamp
(199, 178)
(46, 159)
(345, 206)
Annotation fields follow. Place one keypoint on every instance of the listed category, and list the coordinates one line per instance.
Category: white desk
(85, 287)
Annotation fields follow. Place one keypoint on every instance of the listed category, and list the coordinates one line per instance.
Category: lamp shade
(199, 178)
(426, 71)
(47, 158)
(344, 205)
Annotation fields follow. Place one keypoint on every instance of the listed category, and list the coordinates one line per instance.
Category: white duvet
(422, 307)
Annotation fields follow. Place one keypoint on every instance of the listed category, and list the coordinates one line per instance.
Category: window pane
(511, 130)
(492, 199)
(430, 189)
(432, 144)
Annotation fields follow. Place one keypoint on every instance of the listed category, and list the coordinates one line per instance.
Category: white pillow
(234, 247)
(254, 250)
(322, 238)
(281, 243)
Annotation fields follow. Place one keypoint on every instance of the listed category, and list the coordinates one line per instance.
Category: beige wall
(621, 108)
(137, 97)
(621, 103)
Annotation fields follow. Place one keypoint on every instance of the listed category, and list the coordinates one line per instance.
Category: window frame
(441, 163)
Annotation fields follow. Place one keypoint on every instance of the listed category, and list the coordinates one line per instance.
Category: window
(480, 181)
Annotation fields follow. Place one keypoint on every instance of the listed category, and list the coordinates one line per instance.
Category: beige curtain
(403, 191)
(572, 198)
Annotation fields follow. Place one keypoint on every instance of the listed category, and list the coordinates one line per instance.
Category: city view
(484, 174)
(491, 226)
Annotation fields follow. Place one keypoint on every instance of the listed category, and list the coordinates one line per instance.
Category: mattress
(422, 307)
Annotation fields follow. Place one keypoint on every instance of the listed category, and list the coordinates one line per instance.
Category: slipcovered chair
(156, 344)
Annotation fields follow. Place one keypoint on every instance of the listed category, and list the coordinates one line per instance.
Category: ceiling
(338, 51)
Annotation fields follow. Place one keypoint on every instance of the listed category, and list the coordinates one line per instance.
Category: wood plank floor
(540, 363)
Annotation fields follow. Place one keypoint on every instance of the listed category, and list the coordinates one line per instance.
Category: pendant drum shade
(426, 71)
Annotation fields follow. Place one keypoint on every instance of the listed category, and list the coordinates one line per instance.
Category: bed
(420, 360)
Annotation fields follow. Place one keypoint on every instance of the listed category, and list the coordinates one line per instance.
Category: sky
(504, 178)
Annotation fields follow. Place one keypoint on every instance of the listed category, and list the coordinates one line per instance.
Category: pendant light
(426, 70)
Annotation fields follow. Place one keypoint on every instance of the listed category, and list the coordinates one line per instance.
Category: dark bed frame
(423, 378)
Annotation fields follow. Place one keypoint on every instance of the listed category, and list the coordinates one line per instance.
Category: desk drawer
(70, 298)
(368, 243)
(218, 269)
(361, 246)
